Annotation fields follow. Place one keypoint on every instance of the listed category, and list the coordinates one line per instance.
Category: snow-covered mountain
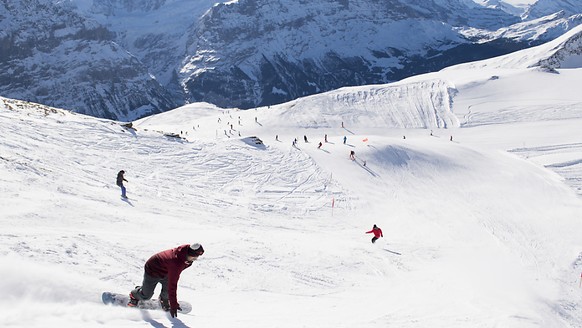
(155, 31)
(473, 172)
(529, 31)
(563, 52)
(248, 53)
(543, 8)
(54, 56)
(503, 5)
(151, 55)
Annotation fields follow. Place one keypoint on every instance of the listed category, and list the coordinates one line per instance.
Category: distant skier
(120, 180)
(305, 138)
(345, 139)
(165, 268)
(325, 138)
(320, 144)
(377, 233)
(352, 155)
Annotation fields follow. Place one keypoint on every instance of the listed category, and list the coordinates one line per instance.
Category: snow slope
(480, 231)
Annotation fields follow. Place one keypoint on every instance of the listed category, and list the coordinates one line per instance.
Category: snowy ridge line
(14, 104)
(568, 53)
(563, 52)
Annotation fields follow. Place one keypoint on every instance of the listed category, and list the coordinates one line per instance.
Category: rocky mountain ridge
(62, 59)
(124, 59)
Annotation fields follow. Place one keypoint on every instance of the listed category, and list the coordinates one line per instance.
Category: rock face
(53, 56)
(125, 59)
(567, 54)
(259, 52)
(548, 7)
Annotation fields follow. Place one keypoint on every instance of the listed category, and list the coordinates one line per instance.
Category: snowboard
(153, 304)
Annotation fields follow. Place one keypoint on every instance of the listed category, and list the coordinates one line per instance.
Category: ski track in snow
(564, 159)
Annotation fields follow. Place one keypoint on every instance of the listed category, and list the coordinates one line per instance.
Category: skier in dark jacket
(377, 233)
(120, 180)
(165, 268)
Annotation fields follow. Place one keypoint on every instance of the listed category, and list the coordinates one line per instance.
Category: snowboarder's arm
(370, 231)
(173, 277)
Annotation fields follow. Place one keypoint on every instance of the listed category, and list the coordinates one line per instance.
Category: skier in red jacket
(165, 268)
(377, 233)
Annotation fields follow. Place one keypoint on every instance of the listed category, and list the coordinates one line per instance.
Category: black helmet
(195, 250)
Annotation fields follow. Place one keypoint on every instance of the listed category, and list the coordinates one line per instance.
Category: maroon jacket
(169, 264)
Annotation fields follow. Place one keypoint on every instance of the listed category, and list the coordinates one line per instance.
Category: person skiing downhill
(377, 233)
(165, 268)
(120, 179)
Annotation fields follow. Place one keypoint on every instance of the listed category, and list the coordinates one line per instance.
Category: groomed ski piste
(474, 174)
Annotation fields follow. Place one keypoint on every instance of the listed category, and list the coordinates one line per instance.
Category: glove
(174, 311)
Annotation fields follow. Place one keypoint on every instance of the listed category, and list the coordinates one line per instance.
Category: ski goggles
(197, 252)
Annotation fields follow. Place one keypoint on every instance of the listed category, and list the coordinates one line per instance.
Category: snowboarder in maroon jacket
(165, 268)
(377, 233)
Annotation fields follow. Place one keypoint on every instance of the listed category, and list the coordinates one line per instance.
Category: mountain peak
(547, 7)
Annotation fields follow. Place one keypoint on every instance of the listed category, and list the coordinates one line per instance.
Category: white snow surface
(479, 231)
